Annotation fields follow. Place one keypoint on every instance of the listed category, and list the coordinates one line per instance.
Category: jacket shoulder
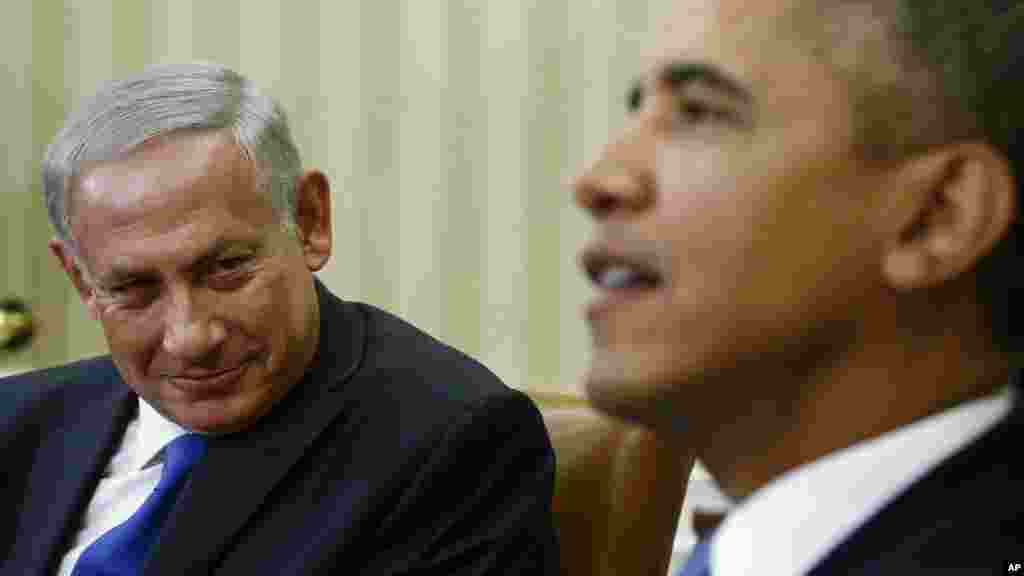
(400, 352)
(966, 514)
(22, 396)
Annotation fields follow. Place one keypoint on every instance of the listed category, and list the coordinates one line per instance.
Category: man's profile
(299, 434)
(805, 251)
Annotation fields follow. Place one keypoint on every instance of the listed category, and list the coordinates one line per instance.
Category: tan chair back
(618, 492)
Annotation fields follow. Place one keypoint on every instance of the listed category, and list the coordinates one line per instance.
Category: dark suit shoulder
(40, 395)
(966, 514)
(420, 364)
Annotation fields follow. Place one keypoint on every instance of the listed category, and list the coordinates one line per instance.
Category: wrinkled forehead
(159, 171)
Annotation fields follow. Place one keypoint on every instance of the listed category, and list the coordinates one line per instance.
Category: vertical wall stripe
(545, 118)
(17, 190)
(215, 30)
(463, 143)
(378, 199)
(505, 77)
(299, 87)
(259, 44)
(342, 114)
(48, 295)
(130, 38)
(422, 185)
(170, 25)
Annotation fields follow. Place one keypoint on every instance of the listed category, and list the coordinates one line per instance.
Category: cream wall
(448, 130)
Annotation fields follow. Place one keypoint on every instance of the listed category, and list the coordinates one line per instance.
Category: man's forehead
(144, 176)
(742, 38)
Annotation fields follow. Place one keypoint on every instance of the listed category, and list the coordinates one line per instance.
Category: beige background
(448, 130)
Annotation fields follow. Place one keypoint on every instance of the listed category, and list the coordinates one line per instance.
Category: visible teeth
(615, 277)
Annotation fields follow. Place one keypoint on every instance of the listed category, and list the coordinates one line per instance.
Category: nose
(191, 332)
(623, 176)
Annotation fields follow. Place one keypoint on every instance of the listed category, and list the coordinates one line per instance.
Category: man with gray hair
(246, 421)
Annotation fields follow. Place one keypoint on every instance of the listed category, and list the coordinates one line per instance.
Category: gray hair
(164, 99)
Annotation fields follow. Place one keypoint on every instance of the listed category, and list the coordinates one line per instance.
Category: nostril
(603, 205)
(595, 198)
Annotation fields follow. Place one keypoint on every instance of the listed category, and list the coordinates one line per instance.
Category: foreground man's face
(728, 217)
(207, 304)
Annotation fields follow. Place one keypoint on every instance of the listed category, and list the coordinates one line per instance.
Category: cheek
(272, 311)
(708, 216)
(134, 342)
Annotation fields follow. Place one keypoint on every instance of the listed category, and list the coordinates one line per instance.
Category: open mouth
(619, 273)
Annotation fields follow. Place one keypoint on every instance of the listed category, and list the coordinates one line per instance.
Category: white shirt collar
(790, 524)
(155, 432)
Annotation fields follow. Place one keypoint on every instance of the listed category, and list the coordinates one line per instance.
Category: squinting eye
(124, 288)
(229, 264)
(129, 295)
(693, 112)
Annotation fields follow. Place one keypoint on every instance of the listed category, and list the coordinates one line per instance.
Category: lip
(215, 384)
(595, 258)
(608, 300)
(599, 256)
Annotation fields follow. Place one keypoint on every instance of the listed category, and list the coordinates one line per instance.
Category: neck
(873, 386)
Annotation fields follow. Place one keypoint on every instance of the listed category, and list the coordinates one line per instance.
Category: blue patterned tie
(698, 562)
(123, 549)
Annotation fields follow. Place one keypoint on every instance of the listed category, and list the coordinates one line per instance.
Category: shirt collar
(790, 524)
(155, 432)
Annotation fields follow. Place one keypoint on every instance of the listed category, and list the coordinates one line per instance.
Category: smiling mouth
(220, 383)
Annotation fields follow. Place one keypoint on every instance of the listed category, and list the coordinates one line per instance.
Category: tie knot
(179, 456)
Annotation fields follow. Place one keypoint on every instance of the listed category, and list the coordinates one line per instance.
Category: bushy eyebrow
(678, 75)
(119, 274)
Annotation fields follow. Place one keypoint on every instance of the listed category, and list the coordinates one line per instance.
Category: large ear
(313, 218)
(946, 210)
(65, 257)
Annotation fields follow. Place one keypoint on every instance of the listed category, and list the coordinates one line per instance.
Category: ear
(66, 258)
(313, 217)
(945, 211)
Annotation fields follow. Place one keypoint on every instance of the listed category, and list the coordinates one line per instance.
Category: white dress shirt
(127, 481)
(792, 523)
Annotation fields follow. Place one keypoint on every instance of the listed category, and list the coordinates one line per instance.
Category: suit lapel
(71, 460)
(895, 535)
(239, 470)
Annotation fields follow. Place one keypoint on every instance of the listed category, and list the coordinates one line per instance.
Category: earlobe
(905, 267)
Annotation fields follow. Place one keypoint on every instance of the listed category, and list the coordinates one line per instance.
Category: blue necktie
(123, 549)
(698, 564)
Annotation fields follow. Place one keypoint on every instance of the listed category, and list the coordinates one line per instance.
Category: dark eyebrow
(676, 76)
(222, 245)
(118, 274)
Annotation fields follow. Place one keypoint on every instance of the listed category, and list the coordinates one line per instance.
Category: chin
(661, 396)
(625, 394)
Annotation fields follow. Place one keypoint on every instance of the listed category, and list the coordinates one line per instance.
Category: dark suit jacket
(394, 455)
(964, 517)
